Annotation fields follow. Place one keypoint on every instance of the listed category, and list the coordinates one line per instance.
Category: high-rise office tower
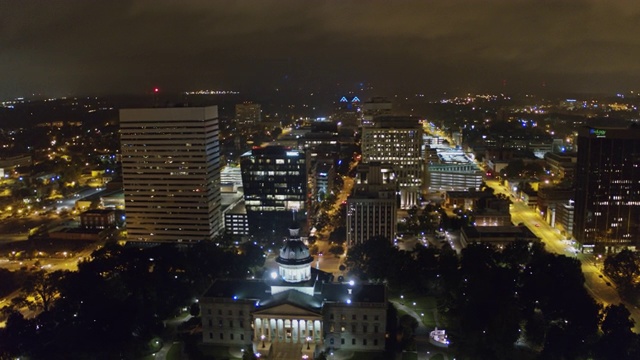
(372, 208)
(248, 114)
(375, 107)
(371, 214)
(275, 188)
(397, 141)
(607, 199)
(171, 173)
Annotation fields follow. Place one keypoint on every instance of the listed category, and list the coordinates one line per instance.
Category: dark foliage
(116, 302)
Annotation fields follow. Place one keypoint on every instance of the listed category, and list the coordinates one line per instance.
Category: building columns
(274, 330)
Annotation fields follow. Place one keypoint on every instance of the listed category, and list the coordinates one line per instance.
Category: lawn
(175, 352)
(409, 356)
(365, 355)
(424, 305)
(215, 352)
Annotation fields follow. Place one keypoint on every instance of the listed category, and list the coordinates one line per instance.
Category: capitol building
(297, 312)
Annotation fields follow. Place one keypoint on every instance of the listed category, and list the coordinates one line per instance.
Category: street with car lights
(599, 286)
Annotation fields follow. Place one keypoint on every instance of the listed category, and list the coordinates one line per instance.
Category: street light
(308, 340)
(262, 337)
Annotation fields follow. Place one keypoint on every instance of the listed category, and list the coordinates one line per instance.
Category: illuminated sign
(292, 153)
(598, 132)
(353, 100)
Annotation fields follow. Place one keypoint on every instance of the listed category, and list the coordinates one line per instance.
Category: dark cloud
(67, 47)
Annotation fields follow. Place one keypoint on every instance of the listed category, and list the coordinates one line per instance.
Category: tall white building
(171, 173)
(397, 140)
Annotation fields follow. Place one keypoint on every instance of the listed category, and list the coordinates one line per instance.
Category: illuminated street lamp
(308, 340)
(262, 338)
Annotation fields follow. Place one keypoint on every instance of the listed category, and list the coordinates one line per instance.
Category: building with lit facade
(248, 114)
(397, 140)
(372, 208)
(562, 166)
(607, 198)
(274, 180)
(371, 214)
(456, 177)
(565, 219)
(98, 219)
(171, 173)
(297, 310)
(236, 222)
(375, 107)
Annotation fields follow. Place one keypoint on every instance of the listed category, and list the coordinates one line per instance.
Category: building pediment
(287, 310)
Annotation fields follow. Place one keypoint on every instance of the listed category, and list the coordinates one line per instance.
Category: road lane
(595, 280)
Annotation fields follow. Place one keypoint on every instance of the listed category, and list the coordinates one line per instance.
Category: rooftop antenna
(156, 100)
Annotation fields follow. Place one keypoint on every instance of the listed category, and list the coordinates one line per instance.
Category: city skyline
(268, 46)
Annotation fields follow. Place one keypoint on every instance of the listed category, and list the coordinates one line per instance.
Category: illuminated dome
(294, 259)
(294, 252)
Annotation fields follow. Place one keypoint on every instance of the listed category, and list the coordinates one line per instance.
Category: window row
(354, 317)
(221, 336)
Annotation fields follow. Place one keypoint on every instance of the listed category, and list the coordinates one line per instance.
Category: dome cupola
(294, 260)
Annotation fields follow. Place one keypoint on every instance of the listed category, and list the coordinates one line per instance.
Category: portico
(288, 330)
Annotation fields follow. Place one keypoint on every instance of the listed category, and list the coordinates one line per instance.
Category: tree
(617, 319)
(8, 282)
(623, 268)
(336, 250)
(533, 169)
(17, 336)
(618, 340)
(514, 169)
(372, 259)
(412, 219)
(42, 287)
(408, 325)
(338, 235)
(525, 186)
(252, 254)
(194, 309)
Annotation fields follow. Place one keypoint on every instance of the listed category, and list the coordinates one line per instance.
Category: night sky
(57, 47)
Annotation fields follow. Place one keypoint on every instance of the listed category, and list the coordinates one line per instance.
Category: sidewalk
(424, 349)
(171, 327)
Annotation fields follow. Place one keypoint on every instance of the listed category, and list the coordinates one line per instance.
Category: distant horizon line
(424, 95)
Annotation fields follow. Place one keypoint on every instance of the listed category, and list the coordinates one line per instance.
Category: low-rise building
(496, 235)
(98, 219)
(562, 166)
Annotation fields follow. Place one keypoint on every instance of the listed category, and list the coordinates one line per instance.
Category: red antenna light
(155, 90)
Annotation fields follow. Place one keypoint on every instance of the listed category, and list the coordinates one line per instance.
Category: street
(598, 285)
